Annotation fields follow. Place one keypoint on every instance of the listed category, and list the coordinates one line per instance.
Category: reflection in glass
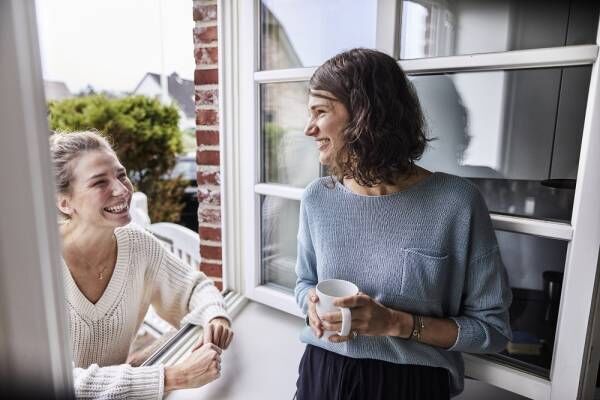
(308, 32)
(289, 156)
(516, 134)
(535, 269)
(279, 227)
(436, 28)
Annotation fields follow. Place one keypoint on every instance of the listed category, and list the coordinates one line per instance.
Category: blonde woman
(113, 272)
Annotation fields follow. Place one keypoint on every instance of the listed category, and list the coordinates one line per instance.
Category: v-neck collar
(111, 293)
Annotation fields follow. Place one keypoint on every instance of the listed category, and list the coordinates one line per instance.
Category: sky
(111, 44)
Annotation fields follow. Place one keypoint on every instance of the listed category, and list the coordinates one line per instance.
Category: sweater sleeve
(183, 295)
(306, 262)
(483, 323)
(119, 382)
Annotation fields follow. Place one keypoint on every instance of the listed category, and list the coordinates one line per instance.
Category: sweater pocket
(425, 274)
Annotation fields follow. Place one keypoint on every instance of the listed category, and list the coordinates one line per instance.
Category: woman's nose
(310, 129)
(119, 188)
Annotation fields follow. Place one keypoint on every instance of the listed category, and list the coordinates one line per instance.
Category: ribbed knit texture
(428, 250)
(145, 273)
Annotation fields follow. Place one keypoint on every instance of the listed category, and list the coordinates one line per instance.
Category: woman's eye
(98, 183)
(123, 176)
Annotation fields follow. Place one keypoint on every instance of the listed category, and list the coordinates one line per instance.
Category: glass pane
(516, 134)
(289, 157)
(279, 227)
(535, 270)
(435, 28)
(307, 32)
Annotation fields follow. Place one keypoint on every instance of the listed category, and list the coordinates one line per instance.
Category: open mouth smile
(118, 209)
(322, 143)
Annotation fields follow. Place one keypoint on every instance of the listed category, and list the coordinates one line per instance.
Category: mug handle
(346, 321)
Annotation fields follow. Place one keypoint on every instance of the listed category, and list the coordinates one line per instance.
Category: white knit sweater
(145, 273)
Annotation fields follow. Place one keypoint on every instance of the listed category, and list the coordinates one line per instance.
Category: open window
(509, 89)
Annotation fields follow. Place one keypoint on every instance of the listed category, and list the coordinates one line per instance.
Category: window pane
(301, 33)
(436, 28)
(279, 219)
(516, 134)
(535, 270)
(289, 157)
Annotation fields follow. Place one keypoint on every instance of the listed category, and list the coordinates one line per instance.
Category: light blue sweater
(428, 250)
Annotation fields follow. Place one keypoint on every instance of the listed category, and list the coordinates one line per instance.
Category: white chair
(138, 209)
(181, 241)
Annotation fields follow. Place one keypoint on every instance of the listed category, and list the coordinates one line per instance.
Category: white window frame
(34, 343)
(573, 369)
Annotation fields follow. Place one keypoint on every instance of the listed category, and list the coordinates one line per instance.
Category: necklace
(107, 264)
(100, 274)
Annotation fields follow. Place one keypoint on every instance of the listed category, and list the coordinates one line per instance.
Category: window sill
(262, 362)
(179, 345)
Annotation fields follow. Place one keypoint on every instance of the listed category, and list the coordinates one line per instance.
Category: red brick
(209, 197)
(208, 157)
(215, 270)
(208, 178)
(206, 55)
(205, 13)
(207, 117)
(209, 216)
(209, 138)
(219, 285)
(210, 233)
(205, 34)
(210, 252)
(207, 97)
(206, 76)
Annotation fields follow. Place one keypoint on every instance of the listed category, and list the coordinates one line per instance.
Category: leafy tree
(145, 135)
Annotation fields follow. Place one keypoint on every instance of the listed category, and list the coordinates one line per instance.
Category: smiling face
(327, 120)
(100, 191)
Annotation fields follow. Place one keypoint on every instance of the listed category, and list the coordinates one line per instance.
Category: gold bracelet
(418, 327)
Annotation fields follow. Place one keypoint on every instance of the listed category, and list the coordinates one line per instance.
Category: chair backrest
(138, 209)
(181, 241)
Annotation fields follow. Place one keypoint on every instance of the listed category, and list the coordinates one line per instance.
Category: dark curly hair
(386, 131)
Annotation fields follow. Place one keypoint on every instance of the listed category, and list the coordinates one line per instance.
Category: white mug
(327, 292)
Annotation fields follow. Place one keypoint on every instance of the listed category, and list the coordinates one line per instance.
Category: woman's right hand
(201, 367)
(313, 318)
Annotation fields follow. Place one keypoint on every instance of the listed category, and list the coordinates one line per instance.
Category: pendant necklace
(101, 273)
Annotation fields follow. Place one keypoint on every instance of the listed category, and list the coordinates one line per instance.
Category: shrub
(145, 135)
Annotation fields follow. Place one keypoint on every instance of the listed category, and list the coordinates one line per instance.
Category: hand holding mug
(369, 317)
(328, 291)
(313, 318)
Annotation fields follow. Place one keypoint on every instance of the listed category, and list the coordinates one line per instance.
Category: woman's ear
(64, 204)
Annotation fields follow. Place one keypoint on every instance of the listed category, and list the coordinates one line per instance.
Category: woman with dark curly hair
(419, 245)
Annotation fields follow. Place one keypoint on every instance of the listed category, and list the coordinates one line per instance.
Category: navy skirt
(324, 375)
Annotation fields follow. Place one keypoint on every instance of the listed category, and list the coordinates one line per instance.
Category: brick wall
(206, 79)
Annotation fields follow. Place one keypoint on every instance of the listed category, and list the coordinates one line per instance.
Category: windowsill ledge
(262, 362)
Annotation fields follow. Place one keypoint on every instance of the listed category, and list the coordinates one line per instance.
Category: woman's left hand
(369, 318)
(217, 331)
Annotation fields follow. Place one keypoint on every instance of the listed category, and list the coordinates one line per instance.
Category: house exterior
(180, 92)
(55, 90)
